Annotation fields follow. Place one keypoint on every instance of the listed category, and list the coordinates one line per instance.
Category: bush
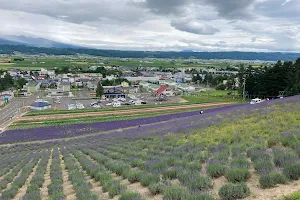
(263, 167)
(156, 188)
(216, 170)
(231, 191)
(115, 188)
(273, 142)
(169, 174)
(147, 179)
(134, 176)
(199, 183)
(272, 179)
(238, 175)
(127, 195)
(199, 197)
(240, 163)
(283, 158)
(175, 193)
(292, 171)
(196, 166)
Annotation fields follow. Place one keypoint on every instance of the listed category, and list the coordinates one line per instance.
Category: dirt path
(67, 185)
(44, 188)
(22, 190)
(218, 183)
(119, 112)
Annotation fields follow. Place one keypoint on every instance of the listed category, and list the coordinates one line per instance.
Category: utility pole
(244, 88)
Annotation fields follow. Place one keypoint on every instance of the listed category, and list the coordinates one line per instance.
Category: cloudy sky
(201, 25)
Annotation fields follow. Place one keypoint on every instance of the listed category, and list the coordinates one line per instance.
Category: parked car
(256, 101)
(79, 106)
(71, 107)
(116, 104)
(94, 103)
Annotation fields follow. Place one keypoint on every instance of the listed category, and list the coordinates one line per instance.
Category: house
(92, 85)
(125, 84)
(114, 91)
(66, 87)
(160, 90)
(32, 87)
(40, 106)
(152, 79)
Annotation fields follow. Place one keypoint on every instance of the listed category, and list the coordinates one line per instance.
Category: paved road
(13, 109)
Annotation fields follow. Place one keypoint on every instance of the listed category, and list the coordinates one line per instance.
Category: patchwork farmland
(233, 152)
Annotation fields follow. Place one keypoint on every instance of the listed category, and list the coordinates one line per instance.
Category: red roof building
(161, 90)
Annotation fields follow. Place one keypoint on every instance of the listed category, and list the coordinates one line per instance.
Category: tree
(197, 78)
(20, 82)
(99, 90)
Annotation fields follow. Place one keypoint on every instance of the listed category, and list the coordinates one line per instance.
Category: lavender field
(237, 152)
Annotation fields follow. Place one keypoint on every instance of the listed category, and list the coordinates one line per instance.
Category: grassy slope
(262, 125)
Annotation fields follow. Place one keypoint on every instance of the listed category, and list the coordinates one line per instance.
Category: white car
(79, 106)
(109, 104)
(96, 106)
(116, 104)
(71, 107)
(256, 101)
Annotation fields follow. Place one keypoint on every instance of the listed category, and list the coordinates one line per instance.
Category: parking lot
(79, 100)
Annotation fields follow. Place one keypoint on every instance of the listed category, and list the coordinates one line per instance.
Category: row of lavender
(166, 123)
(156, 162)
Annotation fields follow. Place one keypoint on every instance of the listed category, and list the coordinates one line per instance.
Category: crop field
(39, 121)
(234, 152)
(51, 62)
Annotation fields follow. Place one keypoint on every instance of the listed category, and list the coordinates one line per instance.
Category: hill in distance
(34, 42)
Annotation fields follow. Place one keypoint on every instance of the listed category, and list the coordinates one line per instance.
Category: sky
(164, 25)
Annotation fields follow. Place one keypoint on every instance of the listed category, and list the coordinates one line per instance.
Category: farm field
(234, 152)
(50, 62)
(48, 115)
(104, 117)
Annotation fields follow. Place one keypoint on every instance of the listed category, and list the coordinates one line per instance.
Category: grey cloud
(194, 27)
(232, 9)
(78, 11)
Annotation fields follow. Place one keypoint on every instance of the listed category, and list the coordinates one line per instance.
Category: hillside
(236, 152)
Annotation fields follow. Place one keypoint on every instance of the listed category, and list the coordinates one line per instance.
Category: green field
(52, 62)
(212, 96)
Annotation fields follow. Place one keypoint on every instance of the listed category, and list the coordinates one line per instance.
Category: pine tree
(99, 90)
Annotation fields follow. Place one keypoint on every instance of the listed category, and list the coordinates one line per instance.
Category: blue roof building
(40, 106)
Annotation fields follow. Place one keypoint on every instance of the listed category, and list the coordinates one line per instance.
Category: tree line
(269, 81)
(7, 82)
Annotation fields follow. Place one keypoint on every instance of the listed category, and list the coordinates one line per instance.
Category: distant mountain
(232, 55)
(34, 42)
(187, 51)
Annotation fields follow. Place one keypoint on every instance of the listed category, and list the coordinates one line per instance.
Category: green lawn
(212, 96)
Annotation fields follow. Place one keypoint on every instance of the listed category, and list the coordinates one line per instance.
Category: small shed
(40, 106)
